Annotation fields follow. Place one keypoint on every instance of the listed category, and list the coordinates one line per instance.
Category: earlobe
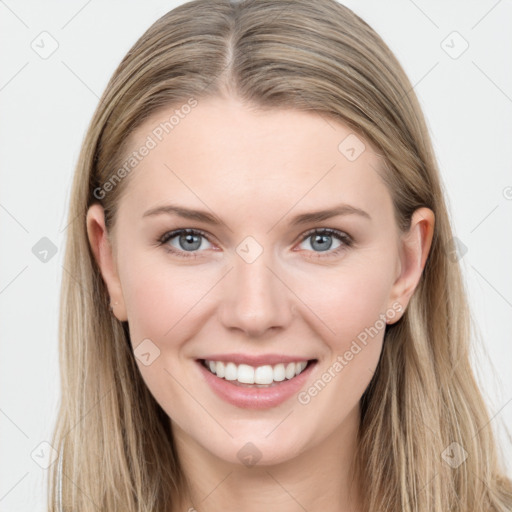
(414, 250)
(103, 253)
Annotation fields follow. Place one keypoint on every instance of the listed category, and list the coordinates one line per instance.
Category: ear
(103, 253)
(414, 249)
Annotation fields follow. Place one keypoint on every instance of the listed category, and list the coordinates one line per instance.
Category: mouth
(269, 381)
(263, 376)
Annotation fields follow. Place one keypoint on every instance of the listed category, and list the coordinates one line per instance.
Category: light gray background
(46, 105)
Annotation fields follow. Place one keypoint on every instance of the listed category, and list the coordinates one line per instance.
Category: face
(256, 281)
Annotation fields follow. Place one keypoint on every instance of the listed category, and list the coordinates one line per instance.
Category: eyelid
(330, 231)
(342, 236)
(168, 235)
(346, 241)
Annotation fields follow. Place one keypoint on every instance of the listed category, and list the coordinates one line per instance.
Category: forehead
(230, 156)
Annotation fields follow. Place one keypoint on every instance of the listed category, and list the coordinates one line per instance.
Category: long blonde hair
(115, 443)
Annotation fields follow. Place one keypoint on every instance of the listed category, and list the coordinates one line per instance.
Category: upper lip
(256, 360)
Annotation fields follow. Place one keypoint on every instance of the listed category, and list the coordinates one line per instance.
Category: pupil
(189, 238)
(322, 247)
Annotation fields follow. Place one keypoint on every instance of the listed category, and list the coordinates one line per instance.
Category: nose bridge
(255, 299)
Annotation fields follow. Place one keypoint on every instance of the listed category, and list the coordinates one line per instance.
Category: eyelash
(339, 235)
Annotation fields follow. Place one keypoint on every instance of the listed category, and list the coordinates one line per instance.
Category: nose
(256, 298)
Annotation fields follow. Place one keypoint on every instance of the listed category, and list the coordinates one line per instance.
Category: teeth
(290, 370)
(219, 369)
(246, 374)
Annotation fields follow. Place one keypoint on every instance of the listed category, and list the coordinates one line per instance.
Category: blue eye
(189, 241)
(321, 239)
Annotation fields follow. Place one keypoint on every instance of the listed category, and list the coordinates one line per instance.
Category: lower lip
(256, 398)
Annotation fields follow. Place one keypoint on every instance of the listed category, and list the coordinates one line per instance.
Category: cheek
(160, 307)
(349, 302)
(158, 299)
(351, 305)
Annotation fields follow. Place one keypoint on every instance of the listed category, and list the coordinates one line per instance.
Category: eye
(321, 241)
(187, 241)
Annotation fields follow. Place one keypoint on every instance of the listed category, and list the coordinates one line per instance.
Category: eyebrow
(303, 218)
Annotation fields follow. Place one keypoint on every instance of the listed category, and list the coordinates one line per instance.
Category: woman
(262, 366)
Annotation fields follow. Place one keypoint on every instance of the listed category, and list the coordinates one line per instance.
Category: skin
(255, 171)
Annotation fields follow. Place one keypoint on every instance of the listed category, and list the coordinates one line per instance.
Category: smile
(239, 384)
(260, 376)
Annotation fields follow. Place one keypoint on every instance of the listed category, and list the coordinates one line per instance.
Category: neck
(322, 476)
